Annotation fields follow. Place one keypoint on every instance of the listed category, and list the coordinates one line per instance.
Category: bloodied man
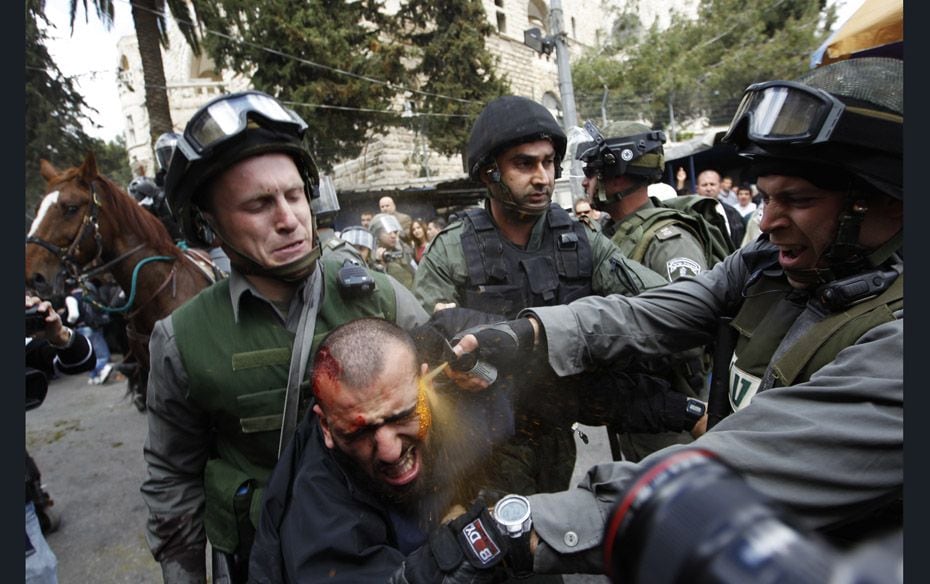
(362, 483)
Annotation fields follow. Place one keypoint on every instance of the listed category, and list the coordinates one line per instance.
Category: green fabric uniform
(442, 274)
(541, 456)
(249, 360)
(673, 251)
(215, 400)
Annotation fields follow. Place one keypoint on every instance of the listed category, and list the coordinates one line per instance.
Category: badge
(678, 267)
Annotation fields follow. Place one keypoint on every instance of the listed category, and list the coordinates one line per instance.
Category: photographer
(53, 348)
(815, 381)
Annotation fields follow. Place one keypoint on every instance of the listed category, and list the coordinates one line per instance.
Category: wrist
(63, 339)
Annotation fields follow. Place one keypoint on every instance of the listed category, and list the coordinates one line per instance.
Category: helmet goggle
(228, 116)
(164, 148)
(612, 157)
(791, 113)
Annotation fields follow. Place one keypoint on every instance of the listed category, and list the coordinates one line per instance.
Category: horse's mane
(127, 213)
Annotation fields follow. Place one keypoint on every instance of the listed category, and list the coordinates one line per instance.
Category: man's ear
(324, 425)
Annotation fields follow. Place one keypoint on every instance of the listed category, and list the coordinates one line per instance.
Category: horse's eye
(71, 209)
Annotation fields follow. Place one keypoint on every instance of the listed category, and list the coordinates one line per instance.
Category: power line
(301, 60)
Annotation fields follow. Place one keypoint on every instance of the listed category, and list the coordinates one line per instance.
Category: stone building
(401, 158)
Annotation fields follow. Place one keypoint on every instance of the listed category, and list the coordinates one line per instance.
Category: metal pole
(566, 90)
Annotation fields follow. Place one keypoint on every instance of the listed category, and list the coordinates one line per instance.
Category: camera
(35, 321)
(691, 518)
(392, 256)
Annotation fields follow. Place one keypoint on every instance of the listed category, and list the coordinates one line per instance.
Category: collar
(239, 286)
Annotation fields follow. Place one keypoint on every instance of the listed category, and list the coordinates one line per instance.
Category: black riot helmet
(144, 190)
(223, 132)
(847, 116)
(507, 121)
(840, 127)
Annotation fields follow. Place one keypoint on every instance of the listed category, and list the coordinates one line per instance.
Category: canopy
(876, 29)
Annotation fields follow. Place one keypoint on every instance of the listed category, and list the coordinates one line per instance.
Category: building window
(574, 30)
(501, 23)
(499, 3)
(203, 67)
(130, 131)
(538, 15)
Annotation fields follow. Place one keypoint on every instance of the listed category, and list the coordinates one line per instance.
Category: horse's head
(65, 233)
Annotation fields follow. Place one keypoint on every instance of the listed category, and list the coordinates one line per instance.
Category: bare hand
(54, 332)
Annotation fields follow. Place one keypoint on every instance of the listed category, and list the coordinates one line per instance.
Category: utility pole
(566, 89)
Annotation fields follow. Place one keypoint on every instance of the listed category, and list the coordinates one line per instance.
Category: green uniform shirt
(442, 274)
(673, 252)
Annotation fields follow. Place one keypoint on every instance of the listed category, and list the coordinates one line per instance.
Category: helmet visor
(358, 236)
(229, 116)
(785, 112)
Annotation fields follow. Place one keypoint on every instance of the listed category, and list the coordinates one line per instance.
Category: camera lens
(691, 518)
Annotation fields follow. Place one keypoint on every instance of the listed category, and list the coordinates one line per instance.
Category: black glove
(504, 342)
(467, 550)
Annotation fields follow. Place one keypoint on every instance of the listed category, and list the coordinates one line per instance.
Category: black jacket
(317, 525)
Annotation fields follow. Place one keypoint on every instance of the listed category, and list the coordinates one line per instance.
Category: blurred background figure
(89, 321)
(361, 239)
(434, 227)
(417, 238)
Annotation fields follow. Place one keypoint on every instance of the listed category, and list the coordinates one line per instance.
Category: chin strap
(602, 199)
(505, 198)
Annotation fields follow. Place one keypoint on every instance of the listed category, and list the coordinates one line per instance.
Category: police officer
(224, 390)
(618, 171)
(391, 254)
(521, 250)
(816, 379)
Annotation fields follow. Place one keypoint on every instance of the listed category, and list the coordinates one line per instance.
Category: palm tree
(148, 17)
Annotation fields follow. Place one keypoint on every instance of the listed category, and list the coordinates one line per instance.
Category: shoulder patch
(678, 267)
(667, 232)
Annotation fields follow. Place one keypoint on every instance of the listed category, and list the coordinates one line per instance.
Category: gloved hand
(467, 550)
(504, 342)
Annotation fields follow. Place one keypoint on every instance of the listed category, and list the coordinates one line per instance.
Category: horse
(86, 225)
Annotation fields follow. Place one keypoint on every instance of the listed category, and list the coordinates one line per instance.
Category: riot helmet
(164, 148)
(505, 122)
(358, 236)
(220, 134)
(383, 223)
(144, 190)
(326, 205)
(848, 116)
(633, 149)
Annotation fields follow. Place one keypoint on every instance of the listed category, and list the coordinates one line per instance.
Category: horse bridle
(68, 257)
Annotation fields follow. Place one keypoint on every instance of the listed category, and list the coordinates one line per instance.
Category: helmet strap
(603, 198)
(501, 193)
(846, 256)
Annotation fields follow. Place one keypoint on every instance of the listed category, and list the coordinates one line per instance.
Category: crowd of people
(365, 408)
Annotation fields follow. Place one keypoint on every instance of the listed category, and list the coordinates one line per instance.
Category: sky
(90, 55)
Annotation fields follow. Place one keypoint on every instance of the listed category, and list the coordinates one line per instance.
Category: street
(87, 441)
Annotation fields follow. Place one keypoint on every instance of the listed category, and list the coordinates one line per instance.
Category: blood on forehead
(326, 367)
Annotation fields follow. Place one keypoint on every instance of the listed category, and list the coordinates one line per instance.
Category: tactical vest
(770, 309)
(238, 376)
(503, 279)
(635, 234)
